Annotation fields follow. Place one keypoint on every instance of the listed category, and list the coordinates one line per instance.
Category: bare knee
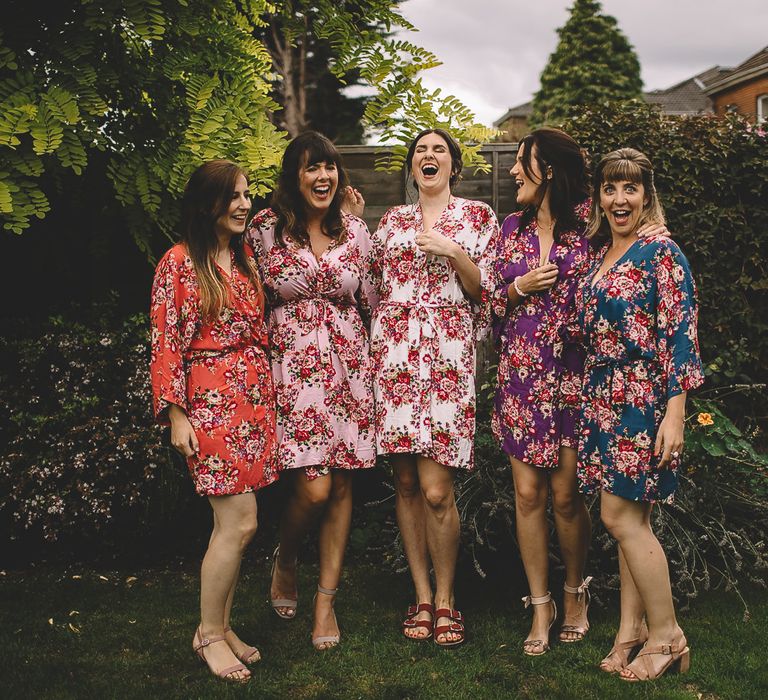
(438, 498)
(566, 503)
(341, 487)
(243, 530)
(407, 483)
(530, 499)
(317, 497)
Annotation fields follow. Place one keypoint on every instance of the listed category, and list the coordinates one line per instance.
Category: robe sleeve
(367, 295)
(167, 364)
(484, 256)
(677, 344)
(495, 285)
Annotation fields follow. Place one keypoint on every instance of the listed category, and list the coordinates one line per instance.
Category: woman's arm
(183, 436)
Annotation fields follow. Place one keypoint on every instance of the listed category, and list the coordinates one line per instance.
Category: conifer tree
(593, 63)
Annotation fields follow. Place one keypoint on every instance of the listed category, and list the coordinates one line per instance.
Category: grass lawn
(79, 633)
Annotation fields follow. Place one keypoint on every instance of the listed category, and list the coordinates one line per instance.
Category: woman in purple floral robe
(541, 254)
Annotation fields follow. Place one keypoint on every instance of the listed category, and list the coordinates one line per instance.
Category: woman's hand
(540, 279)
(653, 230)
(183, 436)
(352, 202)
(435, 243)
(669, 438)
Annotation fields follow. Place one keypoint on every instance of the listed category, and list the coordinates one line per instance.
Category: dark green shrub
(79, 448)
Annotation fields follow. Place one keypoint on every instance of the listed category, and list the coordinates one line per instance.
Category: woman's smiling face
(431, 164)
(622, 203)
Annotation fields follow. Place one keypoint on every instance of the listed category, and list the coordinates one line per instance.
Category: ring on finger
(676, 454)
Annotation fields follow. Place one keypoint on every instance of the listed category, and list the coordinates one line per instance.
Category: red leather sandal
(411, 622)
(456, 626)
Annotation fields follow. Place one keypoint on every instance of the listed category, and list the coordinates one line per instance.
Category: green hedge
(712, 177)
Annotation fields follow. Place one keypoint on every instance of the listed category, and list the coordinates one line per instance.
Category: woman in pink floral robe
(313, 259)
(427, 258)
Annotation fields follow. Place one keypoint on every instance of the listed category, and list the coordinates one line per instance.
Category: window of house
(762, 109)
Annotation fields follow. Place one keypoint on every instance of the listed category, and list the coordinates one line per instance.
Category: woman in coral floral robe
(219, 371)
(211, 382)
(637, 315)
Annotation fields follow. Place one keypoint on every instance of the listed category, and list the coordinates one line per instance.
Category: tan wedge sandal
(537, 647)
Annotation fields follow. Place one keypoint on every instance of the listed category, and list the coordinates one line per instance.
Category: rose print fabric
(423, 334)
(320, 312)
(539, 376)
(218, 373)
(639, 326)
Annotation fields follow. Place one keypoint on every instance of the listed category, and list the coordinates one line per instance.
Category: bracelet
(520, 293)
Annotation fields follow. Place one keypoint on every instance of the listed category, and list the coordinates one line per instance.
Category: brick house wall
(742, 98)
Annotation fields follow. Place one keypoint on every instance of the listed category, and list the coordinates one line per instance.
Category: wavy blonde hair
(207, 197)
(623, 165)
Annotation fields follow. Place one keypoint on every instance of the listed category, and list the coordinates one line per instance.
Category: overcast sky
(493, 51)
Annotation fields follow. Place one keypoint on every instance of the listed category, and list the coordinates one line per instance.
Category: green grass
(134, 640)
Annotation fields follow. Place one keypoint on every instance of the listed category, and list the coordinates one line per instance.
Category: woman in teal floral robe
(637, 318)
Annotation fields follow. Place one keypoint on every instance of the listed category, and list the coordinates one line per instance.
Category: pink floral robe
(218, 373)
(424, 332)
(318, 325)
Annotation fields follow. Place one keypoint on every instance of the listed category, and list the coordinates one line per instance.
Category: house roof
(754, 67)
(686, 97)
(523, 110)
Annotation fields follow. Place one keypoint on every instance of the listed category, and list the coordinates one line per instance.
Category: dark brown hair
(569, 184)
(288, 202)
(453, 148)
(207, 197)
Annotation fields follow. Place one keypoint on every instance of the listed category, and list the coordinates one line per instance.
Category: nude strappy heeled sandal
(582, 593)
(622, 653)
(537, 647)
(247, 654)
(289, 604)
(199, 643)
(331, 640)
(678, 656)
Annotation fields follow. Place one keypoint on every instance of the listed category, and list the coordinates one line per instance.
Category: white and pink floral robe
(424, 332)
(318, 329)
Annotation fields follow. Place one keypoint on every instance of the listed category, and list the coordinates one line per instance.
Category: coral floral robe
(423, 334)
(218, 373)
(638, 322)
(318, 324)
(539, 375)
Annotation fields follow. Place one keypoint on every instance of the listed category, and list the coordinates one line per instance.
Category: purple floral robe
(539, 376)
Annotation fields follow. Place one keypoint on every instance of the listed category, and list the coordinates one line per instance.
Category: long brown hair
(569, 185)
(207, 197)
(624, 164)
(287, 200)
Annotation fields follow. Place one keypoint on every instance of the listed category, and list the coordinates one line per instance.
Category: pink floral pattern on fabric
(424, 332)
(539, 372)
(638, 323)
(318, 325)
(218, 373)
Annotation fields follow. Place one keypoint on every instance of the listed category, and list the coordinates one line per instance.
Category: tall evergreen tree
(593, 63)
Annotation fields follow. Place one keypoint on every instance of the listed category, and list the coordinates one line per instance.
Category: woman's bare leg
(411, 519)
(574, 531)
(234, 526)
